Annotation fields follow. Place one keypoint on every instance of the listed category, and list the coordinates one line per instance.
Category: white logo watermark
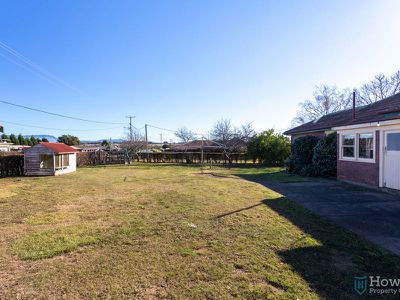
(377, 285)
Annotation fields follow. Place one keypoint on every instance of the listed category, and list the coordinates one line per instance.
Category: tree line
(267, 147)
(21, 140)
(31, 141)
(329, 99)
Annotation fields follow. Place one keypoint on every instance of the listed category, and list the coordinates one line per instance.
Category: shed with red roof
(49, 159)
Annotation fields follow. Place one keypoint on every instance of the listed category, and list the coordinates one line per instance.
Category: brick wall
(361, 172)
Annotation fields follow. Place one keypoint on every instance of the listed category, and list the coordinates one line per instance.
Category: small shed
(49, 159)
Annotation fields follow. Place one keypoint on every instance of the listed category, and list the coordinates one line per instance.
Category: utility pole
(147, 141)
(161, 138)
(202, 151)
(130, 127)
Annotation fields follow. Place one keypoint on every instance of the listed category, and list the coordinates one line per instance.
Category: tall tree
(379, 88)
(33, 140)
(4, 136)
(185, 135)
(327, 99)
(21, 140)
(13, 139)
(69, 140)
(105, 143)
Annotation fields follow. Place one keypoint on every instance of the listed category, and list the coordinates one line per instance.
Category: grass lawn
(173, 232)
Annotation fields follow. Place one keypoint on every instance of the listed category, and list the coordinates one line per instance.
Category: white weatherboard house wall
(49, 159)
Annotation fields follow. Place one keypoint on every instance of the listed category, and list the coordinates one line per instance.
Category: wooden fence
(104, 158)
(11, 165)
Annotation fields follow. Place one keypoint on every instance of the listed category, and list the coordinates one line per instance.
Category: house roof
(58, 147)
(197, 144)
(383, 110)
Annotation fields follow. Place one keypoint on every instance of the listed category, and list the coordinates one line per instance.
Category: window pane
(66, 160)
(366, 145)
(46, 161)
(393, 142)
(348, 151)
(58, 161)
(348, 140)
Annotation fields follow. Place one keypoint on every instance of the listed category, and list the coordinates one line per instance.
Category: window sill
(63, 168)
(361, 160)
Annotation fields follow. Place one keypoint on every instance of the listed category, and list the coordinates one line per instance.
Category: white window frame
(354, 146)
(356, 134)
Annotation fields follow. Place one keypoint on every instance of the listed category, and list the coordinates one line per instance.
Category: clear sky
(184, 63)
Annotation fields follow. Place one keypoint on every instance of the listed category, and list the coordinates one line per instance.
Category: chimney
(354, 104)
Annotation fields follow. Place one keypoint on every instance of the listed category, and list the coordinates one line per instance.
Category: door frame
(383, 145)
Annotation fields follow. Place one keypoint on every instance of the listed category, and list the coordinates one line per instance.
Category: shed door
(392, 160)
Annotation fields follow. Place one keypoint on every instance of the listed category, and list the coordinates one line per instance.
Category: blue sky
(185, 63)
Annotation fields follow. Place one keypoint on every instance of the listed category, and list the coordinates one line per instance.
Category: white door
(392, 160)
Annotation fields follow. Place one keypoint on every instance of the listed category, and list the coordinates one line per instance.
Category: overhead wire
(26, 63)
(58, 115)
(57, 129)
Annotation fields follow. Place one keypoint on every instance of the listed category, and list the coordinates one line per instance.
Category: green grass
(52, 242)
(173, 232)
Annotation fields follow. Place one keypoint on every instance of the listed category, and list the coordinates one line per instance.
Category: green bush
(312, 156)
(269, 148)
(302, 156)
(325, 156)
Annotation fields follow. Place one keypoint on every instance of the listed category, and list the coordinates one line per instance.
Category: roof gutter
(307, 131)
(372, 124)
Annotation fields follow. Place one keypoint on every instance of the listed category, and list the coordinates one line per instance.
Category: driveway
(371, 214)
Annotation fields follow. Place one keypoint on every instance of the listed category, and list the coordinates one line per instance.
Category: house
(5, 146)
(368, 142)
(197, 146)
(49, 159)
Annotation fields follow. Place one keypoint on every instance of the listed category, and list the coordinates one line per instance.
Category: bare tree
(185, 134)
(246, 132)
(230, 138)
(135, 142)
(379, 88)
(327, 99)
(222, 131)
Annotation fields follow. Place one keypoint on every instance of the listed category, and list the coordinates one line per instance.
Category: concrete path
(372, 214)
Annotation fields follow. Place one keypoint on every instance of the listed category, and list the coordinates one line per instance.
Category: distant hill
(99, 141)
(50, 138)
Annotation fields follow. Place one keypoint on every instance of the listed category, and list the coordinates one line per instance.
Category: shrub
(312, 156)
(302, 156)
(269, 148)
(325, 156)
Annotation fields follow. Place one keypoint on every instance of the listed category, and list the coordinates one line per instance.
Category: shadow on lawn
(278, 176)
(330, 267)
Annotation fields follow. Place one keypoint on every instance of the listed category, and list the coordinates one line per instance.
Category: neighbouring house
(368, 142)
(49, 159)
(197, 146)
(5, 146)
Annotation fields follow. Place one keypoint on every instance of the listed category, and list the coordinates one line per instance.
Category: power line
(26, 63)
(130, 127)
(174, 131)
(57, 129)
(58, 115)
